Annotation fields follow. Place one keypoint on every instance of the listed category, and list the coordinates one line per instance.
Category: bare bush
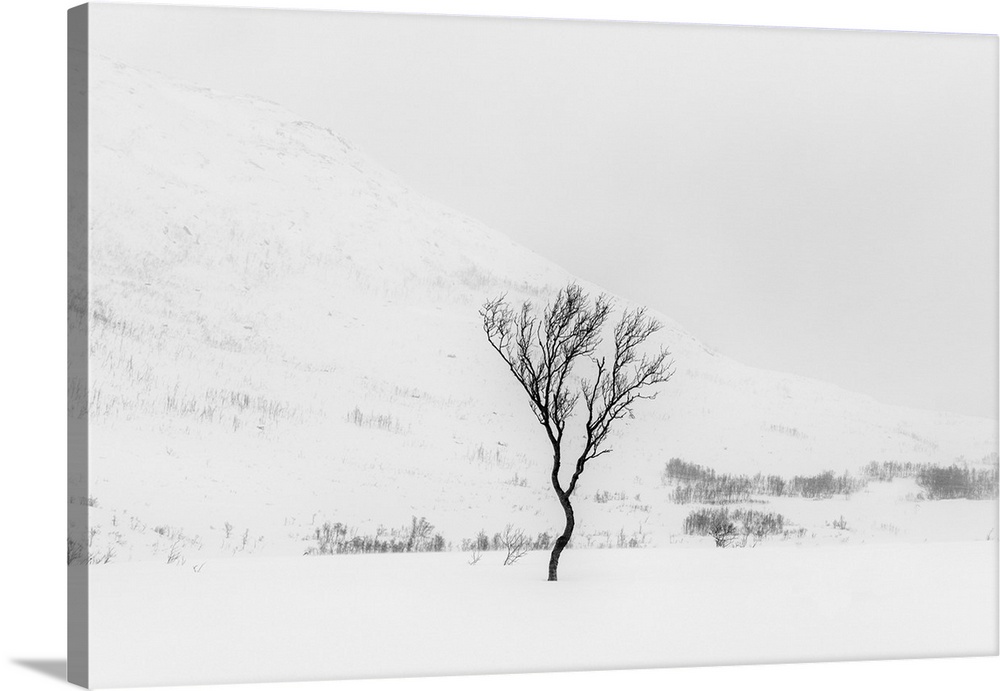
(516, 543)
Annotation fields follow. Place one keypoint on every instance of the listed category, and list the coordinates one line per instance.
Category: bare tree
(542, 352)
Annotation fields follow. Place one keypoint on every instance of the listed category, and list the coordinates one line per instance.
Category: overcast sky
(816, 202)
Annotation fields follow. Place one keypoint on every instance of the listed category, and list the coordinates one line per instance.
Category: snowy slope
(284, 333)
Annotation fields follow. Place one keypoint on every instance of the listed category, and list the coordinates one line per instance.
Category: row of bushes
(696, 483)
(702, 485)
(513, 541)
(604, 496)
(825, 484)
(605, 539)
(339, 538)
(500, 541)
(699, 484)
(957, 481)
(419, 536)
(726, 527)
(887, 471)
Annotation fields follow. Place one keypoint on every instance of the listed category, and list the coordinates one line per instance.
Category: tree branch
(542, 353)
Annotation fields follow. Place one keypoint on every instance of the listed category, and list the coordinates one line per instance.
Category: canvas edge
(77, 303)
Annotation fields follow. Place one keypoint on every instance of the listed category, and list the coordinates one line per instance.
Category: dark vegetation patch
(339, 538)
(702, 485)
(699, 484)
(732, 527)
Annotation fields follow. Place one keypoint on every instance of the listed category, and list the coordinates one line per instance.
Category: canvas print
(425, 345)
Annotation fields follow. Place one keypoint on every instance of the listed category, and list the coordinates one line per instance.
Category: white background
(32, 540)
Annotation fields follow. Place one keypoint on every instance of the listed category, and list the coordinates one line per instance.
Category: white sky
(816, 202)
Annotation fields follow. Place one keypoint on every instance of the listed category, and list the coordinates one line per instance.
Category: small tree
(515, 542)
(542, 352)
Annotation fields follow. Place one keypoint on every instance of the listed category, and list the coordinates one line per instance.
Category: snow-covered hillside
(283, 334)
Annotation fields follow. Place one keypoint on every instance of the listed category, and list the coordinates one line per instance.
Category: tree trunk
(563, 539)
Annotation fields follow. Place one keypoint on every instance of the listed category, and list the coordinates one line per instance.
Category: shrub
(957, 482)
(481, 542)
(716, 523)
(515, 543)
(760, 524)
(543, 541)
